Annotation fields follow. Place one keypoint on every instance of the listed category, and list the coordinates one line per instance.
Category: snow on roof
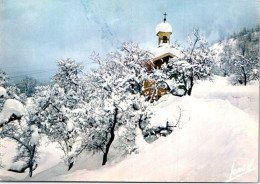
(164, 28)
(11, 107)
(165, 49)
(2, 92)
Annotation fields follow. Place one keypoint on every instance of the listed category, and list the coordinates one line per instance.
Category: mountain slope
(217, 141)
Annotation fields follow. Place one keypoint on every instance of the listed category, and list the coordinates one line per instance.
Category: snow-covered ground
(216, 142)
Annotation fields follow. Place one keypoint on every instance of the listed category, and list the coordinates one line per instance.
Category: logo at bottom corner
(241, 167)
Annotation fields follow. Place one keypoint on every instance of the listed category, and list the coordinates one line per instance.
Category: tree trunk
(191, 86)
(70, 165)
(31, 161)
(245, 79)
(69, 147)
(244, 75)
(112, 137)
(139, 123)
(31, 171)
(185, 84)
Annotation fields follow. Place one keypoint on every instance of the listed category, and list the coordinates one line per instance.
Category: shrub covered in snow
(11, 108)
(2, 92)
(15, 125)
(3, 79)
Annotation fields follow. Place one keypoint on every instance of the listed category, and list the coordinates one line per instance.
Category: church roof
(164, 28)
(166, 50)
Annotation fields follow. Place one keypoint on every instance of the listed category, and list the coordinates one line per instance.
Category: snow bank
(204, 150)
(49, 161)
(50, 156)
(217, 144)
(164, 112)
(8, 176)
(2, 92)
(17, 166)
(11, 107)
(244, 97)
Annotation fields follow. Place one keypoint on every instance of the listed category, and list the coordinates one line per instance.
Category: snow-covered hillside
(219, 48)
(237, 56)
(250, 37)
(216, 142)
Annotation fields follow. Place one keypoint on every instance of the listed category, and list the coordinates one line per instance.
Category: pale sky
(34, 34)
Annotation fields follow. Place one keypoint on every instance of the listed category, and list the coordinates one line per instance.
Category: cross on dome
(164, 17)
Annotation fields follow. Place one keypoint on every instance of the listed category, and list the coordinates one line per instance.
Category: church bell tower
(163, 31)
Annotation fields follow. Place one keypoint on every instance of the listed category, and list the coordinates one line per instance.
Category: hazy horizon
(35, 34)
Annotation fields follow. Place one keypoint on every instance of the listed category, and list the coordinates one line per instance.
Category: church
(165, 50)
(161, 54)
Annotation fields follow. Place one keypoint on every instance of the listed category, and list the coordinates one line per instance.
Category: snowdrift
(216, 142)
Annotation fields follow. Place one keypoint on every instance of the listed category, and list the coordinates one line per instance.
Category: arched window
(164, 39)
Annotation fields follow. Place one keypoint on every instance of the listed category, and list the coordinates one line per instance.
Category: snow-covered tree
(245, 61)
(27, 85)
(3, 79)
(15, 125)
(226, 56)
(245, 69)
(239, 57)
(116, 101)
(60, 109)
(15, 93)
